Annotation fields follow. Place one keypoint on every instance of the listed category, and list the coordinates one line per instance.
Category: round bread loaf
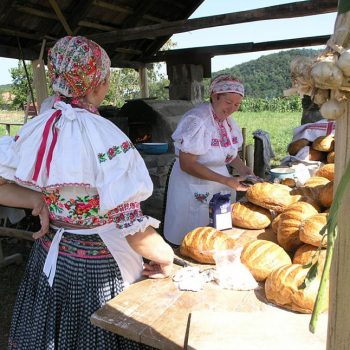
(295, 146)
(271, 196)
(325, 196)
(282, 289)
(314, 181)
(331, 157)
(323, 143)
(326, 171)
(275, 222)
(262, 257)
(201, 243)
(249, 215)
(289, 223)
(308, 194)
(315, 155)
(289, 182)
(310, 230)
(307, 253)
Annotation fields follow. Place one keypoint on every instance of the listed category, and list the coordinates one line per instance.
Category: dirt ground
(10, 278)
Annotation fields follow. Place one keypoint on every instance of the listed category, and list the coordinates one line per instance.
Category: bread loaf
(271, 196)
(325, 196)
(310, 230)
(307, 253)
(249, 215)
(311, 193)
(326, 171)
(262, 257)
(289, 182)
(275, 223)
(289, 223)
(323, 143)
(201, 243)
(295, 146)
(281, 288)
(314, 181)
(331, 157)
(315, 155)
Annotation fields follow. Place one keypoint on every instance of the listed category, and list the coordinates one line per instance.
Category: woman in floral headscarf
(89, 181)
(206, 140)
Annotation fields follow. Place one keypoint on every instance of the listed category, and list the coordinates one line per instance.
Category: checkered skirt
(58, 318)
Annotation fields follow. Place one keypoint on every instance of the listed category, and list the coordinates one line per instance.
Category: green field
(279, 125)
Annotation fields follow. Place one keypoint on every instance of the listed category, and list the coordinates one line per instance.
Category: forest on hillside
(269, 75)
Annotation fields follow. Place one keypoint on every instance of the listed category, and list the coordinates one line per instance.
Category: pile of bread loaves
(296, 216)
(321, 149)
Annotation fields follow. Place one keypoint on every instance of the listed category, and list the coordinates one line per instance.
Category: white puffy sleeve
(192, 134)
(8, 159)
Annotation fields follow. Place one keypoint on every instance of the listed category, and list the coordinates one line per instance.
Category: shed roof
(133, 31)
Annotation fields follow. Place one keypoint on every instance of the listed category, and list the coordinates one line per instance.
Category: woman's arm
(16, 196)
(152, 246)
(189, 164)
(242, 169)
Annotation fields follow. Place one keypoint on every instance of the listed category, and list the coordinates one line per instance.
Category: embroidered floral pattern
(201, 197)
(83, 210)
(229, 158)
(114, 151)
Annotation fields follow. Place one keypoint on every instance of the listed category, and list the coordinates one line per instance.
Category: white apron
(188, 197)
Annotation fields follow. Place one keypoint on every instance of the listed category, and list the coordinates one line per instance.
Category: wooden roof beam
(12, 52)
(290, 10)
(125, 9)
(61, 17)
(218, 50)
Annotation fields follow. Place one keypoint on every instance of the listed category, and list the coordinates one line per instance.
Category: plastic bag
(231, 273)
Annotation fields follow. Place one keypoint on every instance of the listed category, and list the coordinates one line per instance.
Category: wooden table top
(156, 313)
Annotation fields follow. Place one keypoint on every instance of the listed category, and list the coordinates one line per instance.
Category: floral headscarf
(76, 66)
(226, 83)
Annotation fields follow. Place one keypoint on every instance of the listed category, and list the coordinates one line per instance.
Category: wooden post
(144, 82)
(39, 81)
(339, 315)
(244, 134)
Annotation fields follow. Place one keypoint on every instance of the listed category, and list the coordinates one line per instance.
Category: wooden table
(9, 124)
(156, 313)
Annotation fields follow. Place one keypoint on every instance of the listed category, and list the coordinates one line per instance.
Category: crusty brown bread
(311, 193)
(314, 181)
(307, 253)
(331, 157)
(249, 215)
(295, 146)
(271, 196)
(201, 243)
(315, 155)
(326, 171)
(310, 230)
(289, 223)
(275, 223)
(289, 182)
(323, 143)
(262, 257)
(281, 288)
(325, 196)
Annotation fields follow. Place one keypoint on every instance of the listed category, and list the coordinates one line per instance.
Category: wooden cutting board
(268, 330)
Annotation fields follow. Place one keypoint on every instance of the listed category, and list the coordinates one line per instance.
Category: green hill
(269, 75)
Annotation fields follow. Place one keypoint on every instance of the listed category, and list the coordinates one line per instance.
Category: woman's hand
(43, 212)
(235, 183)
(154, 270)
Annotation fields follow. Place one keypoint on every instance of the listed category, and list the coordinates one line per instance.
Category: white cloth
(96, 159)
(188, 197)
(311, 131)
(129, 262)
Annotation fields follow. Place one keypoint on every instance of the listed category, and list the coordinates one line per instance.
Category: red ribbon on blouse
(40, 155)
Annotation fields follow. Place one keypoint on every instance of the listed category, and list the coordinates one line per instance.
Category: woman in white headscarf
(206, 140)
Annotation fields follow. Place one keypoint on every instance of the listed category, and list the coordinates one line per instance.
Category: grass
(279, 125)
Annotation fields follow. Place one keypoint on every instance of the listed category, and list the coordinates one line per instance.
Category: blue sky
(250, 32)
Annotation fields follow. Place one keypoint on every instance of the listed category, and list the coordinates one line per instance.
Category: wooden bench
(9, 124)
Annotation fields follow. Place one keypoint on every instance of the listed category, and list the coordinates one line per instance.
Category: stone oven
(151, 120)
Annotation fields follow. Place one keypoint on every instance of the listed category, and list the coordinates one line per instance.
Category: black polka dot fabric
(58, 318)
